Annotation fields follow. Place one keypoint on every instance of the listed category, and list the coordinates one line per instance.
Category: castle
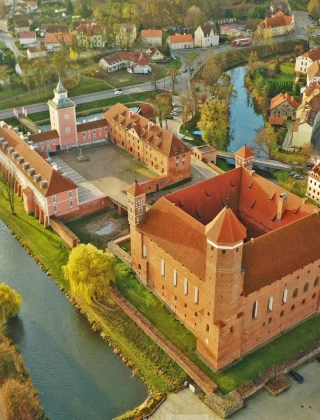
(235, 257)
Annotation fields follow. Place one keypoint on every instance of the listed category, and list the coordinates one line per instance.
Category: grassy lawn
(14, 91)
(122, 78)
(246, 369)
(287, 67)
(126, 246)
(191, 55)
(296, 186)
(88, 85)
(224, 165)
(291, 157)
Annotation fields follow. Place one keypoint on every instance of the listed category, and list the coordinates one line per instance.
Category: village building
(231, 32)
(304, 61)
(22, 26)
(284, 105)
(178, 42)
(50, 28)
(90, 35)
(276, 121)
(280, 5)
(206, 36)
(32, 6)
(313, 188)
(150, 143)
(53, 41)
(27, 38)
(313, 73)
(154, 53)
(37, 51)
(279, 24)
(232, 257)
(126, 34)
(135, 62)
(205, 153)
(151, 37)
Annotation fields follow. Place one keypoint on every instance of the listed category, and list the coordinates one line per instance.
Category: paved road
(8, 41)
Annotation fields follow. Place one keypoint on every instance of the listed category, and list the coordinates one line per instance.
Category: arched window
(316, 282)
(295, 293)
(255, 309)
(306, 287)
(270, 303)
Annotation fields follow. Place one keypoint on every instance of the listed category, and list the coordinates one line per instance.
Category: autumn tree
(90, 272)
(173, 75)
(266, 142)
(214, 123)
(189, 104)
(7, 184)
(20, 401)
(211, 73)
(314, 8)
(194, 17)
(156, 74)
(162, 105)
(76, 48)
(253, 63)
(307, 150)
(10, 302)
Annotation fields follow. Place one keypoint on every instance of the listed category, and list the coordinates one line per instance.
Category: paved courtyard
(299, 402)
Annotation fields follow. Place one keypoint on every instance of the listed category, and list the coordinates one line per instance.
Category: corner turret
(244, 158)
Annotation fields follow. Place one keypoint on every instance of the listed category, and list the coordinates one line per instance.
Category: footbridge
(258, 162)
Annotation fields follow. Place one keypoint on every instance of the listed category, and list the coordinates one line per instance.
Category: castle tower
(244, 158)
(63, 117)
(136, 203)
(218, 341)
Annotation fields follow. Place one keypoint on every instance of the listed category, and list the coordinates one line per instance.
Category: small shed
(206, 153)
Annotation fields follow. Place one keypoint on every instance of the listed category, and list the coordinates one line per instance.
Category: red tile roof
(281, 98)
(244, 152)
(314, 55)
(151, 33)
(314, 70)
(148, 111)
(135, 190)
(225, 229)
(25, 35)
(275, 120)
(279, 19)
(91, 125)
(178, 39)
(43, 136)
(56, 38)
(90, 29)
(56, 183)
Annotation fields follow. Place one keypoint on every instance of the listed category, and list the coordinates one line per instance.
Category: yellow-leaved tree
(10, 302)
(90, 271)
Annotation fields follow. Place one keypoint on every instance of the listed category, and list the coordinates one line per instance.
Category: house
(281, 5)
(276, 121)
(279, 24)
(231, 257)
(37, 51)
(32, 6)
(154, 53)
(284, 105)
(27, 38)
(206, 36)
(45, 191)
(205, 153)
(53, 41)
(304, 61)
(126, 34)
(313, 188)
(22, 26)
(313, 73)
(152, 144)
(90, 35)
(232, 32)
(151, 36)
(49, 28)
(177, 42)
(135, 62)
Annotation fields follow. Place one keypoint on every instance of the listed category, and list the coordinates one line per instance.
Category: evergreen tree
(69, 7)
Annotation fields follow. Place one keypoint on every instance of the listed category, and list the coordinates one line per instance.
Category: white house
(304, 61)
(151, 36)
(90, 35)
(206, 36)
(53, 41)
(177, 42)
(313, 73)
(37, 51)
(126, 33)
(135, 62)
(27, 38)
(277, 25)
(313, 188)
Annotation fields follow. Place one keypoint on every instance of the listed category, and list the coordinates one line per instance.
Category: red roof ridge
(135, 190)
(225, 228)
(244, 152)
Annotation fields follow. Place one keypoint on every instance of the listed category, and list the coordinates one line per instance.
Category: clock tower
(63, 117)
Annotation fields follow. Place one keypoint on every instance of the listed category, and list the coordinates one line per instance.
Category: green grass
(248, 368)
(191, 55)
(286, 181)
(288, 67)
(224, 165)
(126, 246)
(177, 184)
(88, 85)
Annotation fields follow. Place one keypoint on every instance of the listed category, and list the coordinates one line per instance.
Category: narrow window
(255, 309)
(163, 267)
(55, 209)
(270, 303)
(54, 199)
(316, 282)
(295, 293)
(196, 294)
(71, 203)
(70, 193)
(306, 287)
(144, 251)
(284, 296)
(185, 289)
(175, 277)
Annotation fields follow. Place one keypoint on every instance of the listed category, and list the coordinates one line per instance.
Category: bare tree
(173, 75)
(7, 183)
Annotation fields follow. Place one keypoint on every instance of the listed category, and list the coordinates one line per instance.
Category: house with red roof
(27, 38)
(53, 41)
(304, 61)
(277, 25)
(151, 37)
(91, 35)
(313, 189)
(232, 257)
(284, 105)
(135, 62)
(313, 73)
(179, 42)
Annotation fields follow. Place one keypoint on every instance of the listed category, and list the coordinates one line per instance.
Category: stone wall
(88, 208)
(119, 252)
(64, 232)
(224, 405)
(216, 168)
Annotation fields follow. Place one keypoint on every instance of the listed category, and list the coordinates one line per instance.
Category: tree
(156, 74)
(7, 184)
(277, 66)
(307, 150)
(76, 48)
(10, 302)
(162, 106)
(194, 17)
(167, 51)
(214, 123)
(266, 141)
(90, 272)
(69, 7)
(211, 73)
(253, 64)
(174, 75)
(20, 401)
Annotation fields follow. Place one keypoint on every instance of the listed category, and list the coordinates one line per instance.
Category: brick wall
(119, 252)
(87, 208)
(64, 232)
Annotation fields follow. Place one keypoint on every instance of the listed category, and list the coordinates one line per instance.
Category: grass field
(191, 55)
(224, 165)
(246, 369)
(287, 67)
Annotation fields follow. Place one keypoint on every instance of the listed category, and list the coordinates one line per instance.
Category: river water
(245, 119)
(78, 376)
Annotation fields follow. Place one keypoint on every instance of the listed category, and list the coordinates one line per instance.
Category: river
(245, 119)
(77, 374)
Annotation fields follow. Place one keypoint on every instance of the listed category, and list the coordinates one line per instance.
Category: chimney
(150, 124)
(252, 172)
(282, 205)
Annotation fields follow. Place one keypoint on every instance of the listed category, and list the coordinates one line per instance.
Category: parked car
(169, 117)
(174, 57)
(175, 105)
(185, 71)
(293, 173)
(309, 165)
(298, 176)
(296, 376)
(118, 91)
(175, 113)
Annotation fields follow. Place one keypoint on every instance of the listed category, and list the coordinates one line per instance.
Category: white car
(118, 92)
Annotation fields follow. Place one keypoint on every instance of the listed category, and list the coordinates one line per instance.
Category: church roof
(225, 229)
(60, 88)
(135, 190)
(244, 152)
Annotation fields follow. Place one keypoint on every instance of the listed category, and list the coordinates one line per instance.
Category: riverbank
(136, 349)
